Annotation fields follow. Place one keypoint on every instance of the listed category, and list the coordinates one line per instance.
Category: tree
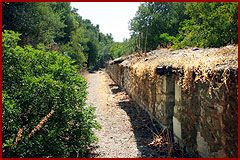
(37, 22)
(184, 24)
(119, 49)
(56, 26)
(44, 109)
(153, 19)
(210, 24)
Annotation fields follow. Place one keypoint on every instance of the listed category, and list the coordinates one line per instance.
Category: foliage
(36, 21)
(192, 24)
(36, 83)
(166, 39)
(153, 19)
(155, 25)
(121, 48)
(56, 26)
(42, 91)
(210, 24)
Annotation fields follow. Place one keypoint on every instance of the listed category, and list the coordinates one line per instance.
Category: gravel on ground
(126, 130)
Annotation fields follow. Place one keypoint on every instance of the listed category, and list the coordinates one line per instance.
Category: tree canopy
(56, 26)
(159, 24)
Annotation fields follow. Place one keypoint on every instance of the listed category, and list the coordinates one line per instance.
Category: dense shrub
(165, 39)
(38, 84)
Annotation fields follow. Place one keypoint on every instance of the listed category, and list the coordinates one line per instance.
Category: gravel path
(126, 130)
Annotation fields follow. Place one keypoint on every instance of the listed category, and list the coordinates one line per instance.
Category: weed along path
(126, 130)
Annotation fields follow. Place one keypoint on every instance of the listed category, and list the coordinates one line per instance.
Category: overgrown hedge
(44, 110)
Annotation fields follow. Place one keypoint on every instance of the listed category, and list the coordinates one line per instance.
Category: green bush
(34, 84)
(119, 49)
(165, 39)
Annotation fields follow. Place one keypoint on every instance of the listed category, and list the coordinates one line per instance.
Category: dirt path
(126, 129)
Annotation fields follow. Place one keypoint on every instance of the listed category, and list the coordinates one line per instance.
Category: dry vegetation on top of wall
(199, 65)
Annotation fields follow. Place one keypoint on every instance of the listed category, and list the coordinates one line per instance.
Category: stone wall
(203, 119)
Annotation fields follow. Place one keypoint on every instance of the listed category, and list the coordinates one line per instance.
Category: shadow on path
(144, 128)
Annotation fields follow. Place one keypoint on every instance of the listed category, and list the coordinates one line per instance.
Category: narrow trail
(126, 130)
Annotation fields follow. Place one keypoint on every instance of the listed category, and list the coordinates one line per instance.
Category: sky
(112, 17)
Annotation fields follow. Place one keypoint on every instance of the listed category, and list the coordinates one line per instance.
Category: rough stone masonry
(194, 93)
